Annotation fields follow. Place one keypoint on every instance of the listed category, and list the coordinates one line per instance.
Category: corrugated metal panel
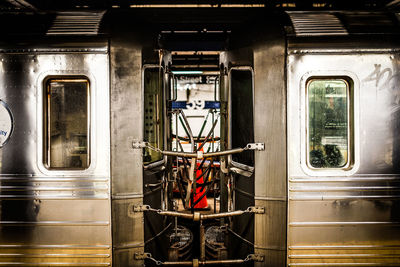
(76, 23)
(316, 24)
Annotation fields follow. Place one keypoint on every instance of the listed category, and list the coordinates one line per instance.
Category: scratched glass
(328, 116)
(67, 124)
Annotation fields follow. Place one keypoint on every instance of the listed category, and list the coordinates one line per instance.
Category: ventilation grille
(82, 23)
(316, 24)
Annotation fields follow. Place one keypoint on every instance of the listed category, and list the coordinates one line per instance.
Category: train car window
(328, 123)
(67, 110)
(153, 113)
(242, 126)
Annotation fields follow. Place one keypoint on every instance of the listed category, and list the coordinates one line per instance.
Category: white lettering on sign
(6, 123)
(195, 104)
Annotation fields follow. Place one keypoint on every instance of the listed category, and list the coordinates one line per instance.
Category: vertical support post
(224, 122)
(223, 193)
(126, 105)
(270, 128)
(202, 242)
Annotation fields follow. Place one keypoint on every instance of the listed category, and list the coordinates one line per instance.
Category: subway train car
(193, 137)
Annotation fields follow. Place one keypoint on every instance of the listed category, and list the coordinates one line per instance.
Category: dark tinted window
(242, 126)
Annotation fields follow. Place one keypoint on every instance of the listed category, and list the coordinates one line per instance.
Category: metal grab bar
(198, 216)
(197, 262)
(203, 155)
(200, 154)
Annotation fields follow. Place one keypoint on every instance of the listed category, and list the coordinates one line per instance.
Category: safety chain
(239, 236)
(159, 234)
(226, 228)
(146, 255)
(152, 147)
(141, 208)
(251, 209)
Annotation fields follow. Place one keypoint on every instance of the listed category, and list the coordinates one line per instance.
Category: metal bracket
(255, 146)
(142, 256)
(153, 185)
(138, 144)
(256, 210)
(256, 257)
(146, 255)
(141, 208)
(196, 216)
(223, 167)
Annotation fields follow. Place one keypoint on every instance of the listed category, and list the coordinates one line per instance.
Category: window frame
(45, 117)
(353, 123)
(231, 162)
(162, 160)
(348, 116)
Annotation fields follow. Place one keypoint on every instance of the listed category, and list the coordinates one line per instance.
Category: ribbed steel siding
(55, 255)
(82, 23)
(346, 218)
(53, 218)
(336, 221)
(316, 24)
(68, 230)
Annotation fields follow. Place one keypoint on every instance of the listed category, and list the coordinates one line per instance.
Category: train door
(154, 163)
(241, 133)
(238, 102)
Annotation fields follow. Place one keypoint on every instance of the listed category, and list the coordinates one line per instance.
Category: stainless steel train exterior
(53, 216)
(346, 215)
